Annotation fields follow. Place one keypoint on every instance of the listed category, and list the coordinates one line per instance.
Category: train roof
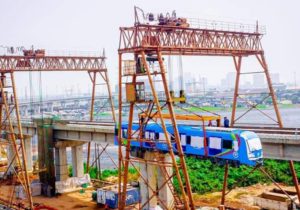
(195, 129)
(154, 125)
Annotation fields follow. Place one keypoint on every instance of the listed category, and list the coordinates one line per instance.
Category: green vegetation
(286, 106)
(207, 108)
(261, 106)
(206, 176)
(102, 114)
(217, 109)
(106, 173)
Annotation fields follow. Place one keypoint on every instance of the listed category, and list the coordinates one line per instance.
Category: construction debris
(277, 200)
(108, 196)
(72, 184)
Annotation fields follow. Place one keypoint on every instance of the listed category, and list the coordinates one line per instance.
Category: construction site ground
(238, 198)
(242, 197)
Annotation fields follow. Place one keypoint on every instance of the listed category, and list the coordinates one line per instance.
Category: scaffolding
(155, 36)
(35, 61)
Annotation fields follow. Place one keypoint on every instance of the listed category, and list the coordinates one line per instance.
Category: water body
(290, 116)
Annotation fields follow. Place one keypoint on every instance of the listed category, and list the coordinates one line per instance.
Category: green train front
(218, 144)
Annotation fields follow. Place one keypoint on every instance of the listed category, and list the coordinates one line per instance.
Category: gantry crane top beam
(51, 63)
(175, 40)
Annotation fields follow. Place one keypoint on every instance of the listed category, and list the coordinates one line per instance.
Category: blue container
(109, 196)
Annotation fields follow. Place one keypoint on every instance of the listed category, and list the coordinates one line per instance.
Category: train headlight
(251, 155)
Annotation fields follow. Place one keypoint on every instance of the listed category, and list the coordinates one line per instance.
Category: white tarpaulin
(72, 183)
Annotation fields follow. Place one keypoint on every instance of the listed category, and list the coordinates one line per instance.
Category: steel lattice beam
(52, 63)
(189, 41)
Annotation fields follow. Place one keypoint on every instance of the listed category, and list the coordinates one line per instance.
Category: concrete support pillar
(143, 187)
(77, 161)
(10, 156)
(34, 142)
(50, 107)
(26, 113)
(61, 165)
(165, 194)
(155, 178)
(28, 150)
(152, 179)
(46, 155)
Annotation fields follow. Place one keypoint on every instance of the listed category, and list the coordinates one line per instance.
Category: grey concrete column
(165, 194)
(50, 107)
(152, 179)
(143, 187)
(77, 161)
(46, 154)
(61, 165)
(10, 156)
(28, 150)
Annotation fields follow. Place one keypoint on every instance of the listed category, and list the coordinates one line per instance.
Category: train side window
(156, 136)
(135, 133)
(227, 144)
(162, 136)
(183, 139)
(172, 138)
(197, 141)
(188, 140)
(146, 135)
(215, 143)
(152, 135)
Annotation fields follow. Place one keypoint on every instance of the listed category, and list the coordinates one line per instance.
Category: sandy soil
(238, 198)
(75, 200)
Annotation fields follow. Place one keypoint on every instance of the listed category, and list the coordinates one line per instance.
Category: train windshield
(254, 144)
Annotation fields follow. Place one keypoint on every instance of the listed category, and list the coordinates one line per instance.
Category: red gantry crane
(145, 44)
(37, 60)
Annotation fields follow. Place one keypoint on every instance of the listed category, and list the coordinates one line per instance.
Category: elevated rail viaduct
(55, 136)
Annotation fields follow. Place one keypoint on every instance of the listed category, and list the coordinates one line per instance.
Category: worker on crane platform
(226, 122)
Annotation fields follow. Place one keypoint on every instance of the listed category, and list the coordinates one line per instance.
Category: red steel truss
(95, 66)
(160, 40)
(52, 63)
(189, 41)
(171, 40)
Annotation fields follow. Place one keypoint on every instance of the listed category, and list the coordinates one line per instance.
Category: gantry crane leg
(10, 105)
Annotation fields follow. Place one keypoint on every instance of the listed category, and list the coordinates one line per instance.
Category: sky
(88, 26)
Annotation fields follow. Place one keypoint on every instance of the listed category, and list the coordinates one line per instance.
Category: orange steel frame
(185, 203)
(170, 40)
(158, 40)
(11, 64)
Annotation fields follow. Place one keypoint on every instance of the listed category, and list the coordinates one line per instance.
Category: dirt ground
(238, 198)
(242, 198)
(75, 200)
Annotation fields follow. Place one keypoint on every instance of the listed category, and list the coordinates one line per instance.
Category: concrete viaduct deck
(282, 146)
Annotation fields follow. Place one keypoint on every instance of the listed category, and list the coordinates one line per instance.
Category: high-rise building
(275, 78)
(229, 81)
(258, 80)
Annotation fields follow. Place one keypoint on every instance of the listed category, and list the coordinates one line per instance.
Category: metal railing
(171, 19)
(226, 26)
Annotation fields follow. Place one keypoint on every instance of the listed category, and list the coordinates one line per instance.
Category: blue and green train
(236, 146)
